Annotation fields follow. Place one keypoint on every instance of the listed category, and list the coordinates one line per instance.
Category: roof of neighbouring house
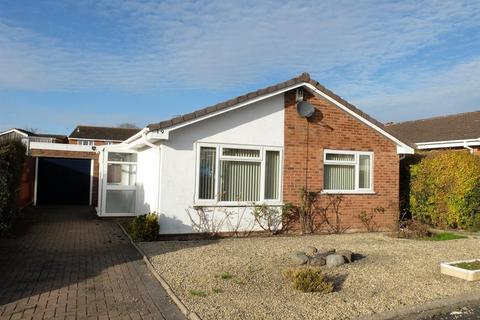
(459, 126)
(35, 134)
(102, 133)
(302, 78)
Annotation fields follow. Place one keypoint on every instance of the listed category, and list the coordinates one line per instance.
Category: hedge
(12, 159)
(445, 189)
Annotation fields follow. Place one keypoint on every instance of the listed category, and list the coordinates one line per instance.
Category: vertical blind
(207, 173)
(339, 177)
(244, 153)
(240, 181)
(272, 174)
(364, 174)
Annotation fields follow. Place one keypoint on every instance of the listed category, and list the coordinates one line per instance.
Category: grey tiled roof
(304, 77)
(102, 133)
(444, 128)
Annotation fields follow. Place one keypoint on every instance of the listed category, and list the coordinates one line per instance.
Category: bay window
(238, 174)
(348, 171)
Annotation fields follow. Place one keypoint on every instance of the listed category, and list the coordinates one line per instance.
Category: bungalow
(27, 136)
(258, 148)
(456, 131)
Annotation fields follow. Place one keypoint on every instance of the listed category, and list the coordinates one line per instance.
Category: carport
(65, 174)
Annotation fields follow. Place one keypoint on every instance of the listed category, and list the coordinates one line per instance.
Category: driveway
(71, 265)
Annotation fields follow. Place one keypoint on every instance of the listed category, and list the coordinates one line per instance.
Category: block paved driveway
(71, 265)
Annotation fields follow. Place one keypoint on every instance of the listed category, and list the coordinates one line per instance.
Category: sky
(106, 62)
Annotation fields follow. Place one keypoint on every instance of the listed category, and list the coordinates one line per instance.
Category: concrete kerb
(422, 311)
(189, 314)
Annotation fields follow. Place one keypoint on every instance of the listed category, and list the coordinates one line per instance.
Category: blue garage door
(63, 181)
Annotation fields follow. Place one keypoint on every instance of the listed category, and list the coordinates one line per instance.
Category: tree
(128, 125)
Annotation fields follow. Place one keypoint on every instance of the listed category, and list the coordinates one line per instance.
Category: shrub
(413, 229)
(445, 189)
(12, 159)
(268, 218)
(308, 280)
(145, 227)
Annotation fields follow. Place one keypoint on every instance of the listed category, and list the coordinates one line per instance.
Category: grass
(198, 293)
(217, 290)
(444, 236)
(473, 265)
(224, 276)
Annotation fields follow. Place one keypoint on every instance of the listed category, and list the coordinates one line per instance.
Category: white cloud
(221, 45)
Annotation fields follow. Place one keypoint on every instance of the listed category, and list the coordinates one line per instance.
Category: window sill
(348, 192)
(237, 204)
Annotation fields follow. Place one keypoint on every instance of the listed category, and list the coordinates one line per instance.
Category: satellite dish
(305, 109)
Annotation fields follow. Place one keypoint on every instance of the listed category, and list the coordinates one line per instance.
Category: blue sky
(106, 62)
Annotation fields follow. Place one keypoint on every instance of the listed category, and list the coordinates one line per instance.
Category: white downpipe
(466, 146)
(151, 145)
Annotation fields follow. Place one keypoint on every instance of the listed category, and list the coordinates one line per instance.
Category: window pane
(272, 169)
(122, 157)
(240, 181)
(245, 153)
(121, 174)
(364, 174)
(340, 157)
(339, 177)
(120, 201)
(207, 173)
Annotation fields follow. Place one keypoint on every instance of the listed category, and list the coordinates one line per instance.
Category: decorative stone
(310, 250)
(335, 260)
(325, 252)
(347, 254)
(317, 260)
(299, 258)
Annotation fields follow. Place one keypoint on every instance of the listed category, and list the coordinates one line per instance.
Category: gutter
(136, 135)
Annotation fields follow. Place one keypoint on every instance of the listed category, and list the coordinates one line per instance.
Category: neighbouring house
(28, 136)
(98, 136)
(258, 148)
(456, 131)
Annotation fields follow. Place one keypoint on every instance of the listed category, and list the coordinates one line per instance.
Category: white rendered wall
(147, 181)
(261, 124)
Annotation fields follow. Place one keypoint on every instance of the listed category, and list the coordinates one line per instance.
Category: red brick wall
(27, 184)
(97, 142)
(78, 155)
(333, 128)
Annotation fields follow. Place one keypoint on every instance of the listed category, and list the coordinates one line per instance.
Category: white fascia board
(136, 136)
(14, 130)
(94, 139)
(61, 147)
(448, 144)
(234, 107)
(401, 147)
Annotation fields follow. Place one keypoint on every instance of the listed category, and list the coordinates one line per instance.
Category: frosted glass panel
(120, 201)
(122, 157)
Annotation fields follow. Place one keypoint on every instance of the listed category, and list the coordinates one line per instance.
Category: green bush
(445, 189)
(12, 159)
(308, 280)
(145, 227)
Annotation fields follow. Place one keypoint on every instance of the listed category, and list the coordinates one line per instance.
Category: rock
(325, 252)
(299, 258)
(335, 260)
(347, 254)
(310, 250)
(317, 260)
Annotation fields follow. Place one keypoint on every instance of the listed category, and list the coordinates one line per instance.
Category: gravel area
(392, 273)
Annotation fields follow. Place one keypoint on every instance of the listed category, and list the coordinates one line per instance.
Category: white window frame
(85, 142)
(107, 186)
(356, 163)
(219, 157)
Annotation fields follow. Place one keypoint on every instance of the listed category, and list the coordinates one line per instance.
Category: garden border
(428, 309)
(188, 314)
